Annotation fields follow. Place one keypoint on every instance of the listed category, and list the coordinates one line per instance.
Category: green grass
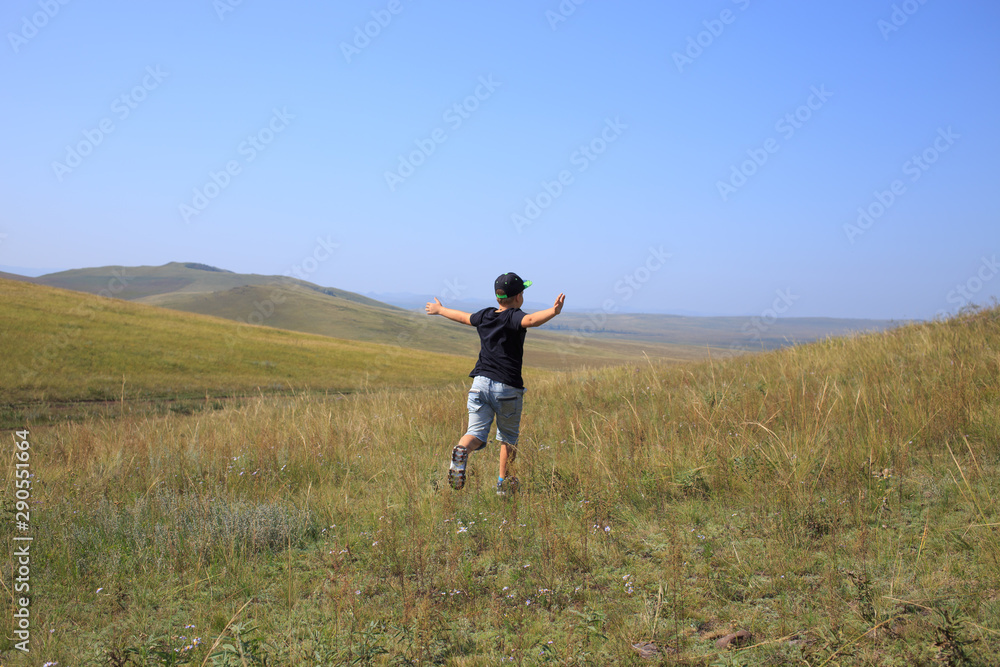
(837, 500)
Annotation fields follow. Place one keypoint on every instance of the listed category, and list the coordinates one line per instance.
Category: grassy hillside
(296, 305)
(838, 501)
(59, 345)
(13, 276)
(138, 282)
(573, 340)
(299, 309)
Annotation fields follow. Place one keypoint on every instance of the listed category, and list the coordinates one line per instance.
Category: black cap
(509, 285)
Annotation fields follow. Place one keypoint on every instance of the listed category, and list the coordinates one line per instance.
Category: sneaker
(505, 486)
(456, 473)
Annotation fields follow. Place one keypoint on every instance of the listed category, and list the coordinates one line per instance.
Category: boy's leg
(506, 480)
(460, 458)
(507, 455)
(503, 461)
(509, 404)
(480, 422)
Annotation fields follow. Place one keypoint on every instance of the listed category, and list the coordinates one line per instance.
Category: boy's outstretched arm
(456, 315)
(543, 316)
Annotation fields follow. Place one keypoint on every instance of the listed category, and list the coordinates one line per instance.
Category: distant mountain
(137, 282)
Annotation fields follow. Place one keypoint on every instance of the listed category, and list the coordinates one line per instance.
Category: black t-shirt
(501, 349)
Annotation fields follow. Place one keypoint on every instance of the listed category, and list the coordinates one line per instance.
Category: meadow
(834, 500)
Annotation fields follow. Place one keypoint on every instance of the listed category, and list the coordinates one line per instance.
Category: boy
(497, 387)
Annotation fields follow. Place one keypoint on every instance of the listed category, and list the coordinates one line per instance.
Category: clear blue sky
(727, 147)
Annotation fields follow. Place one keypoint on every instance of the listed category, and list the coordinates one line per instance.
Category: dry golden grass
(837, 500)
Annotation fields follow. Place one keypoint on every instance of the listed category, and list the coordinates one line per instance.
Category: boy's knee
(474, 444)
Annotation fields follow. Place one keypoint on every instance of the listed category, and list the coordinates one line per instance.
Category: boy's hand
(433, 308)
(455, 315)
(543, 316)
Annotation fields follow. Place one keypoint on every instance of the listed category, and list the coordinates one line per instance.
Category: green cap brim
(526, 283)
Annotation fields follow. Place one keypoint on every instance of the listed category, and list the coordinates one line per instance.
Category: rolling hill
(61, 345)
(296, 305)
(137, 282)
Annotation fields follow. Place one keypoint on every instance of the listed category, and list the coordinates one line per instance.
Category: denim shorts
(489, 398)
